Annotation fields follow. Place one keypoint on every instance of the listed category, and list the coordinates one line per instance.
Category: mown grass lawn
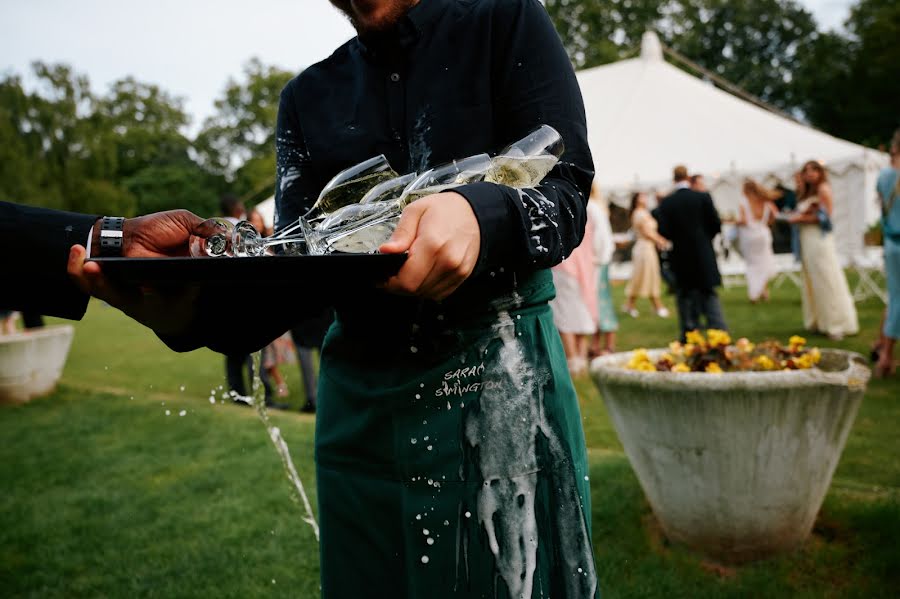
(105, 495)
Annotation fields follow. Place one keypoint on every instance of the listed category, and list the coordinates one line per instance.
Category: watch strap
(111, 236)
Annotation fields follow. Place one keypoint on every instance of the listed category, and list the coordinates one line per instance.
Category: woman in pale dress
(756, 214)
(646, 280)
(827, 305)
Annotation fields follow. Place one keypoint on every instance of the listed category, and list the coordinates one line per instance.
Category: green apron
(453, 464)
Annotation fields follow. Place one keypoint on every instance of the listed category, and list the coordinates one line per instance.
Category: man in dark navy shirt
(444, 80)
(450, 456)
(449, 450)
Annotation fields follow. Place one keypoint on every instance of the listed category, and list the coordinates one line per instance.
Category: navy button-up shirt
(452, 79)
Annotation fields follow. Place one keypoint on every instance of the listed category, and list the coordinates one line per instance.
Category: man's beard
(367, 22)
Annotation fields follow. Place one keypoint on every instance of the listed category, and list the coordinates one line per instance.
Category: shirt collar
(682, 185)
(418, 22)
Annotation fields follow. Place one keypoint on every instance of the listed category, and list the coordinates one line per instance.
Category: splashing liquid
(506, 507)
(259, 404)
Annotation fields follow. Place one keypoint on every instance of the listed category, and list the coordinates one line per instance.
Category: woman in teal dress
(889, 193)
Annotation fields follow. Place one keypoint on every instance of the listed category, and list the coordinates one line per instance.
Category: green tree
(144, 125)
(596, 32)
(50, 147)
(849, 83)
(751, 44)
(22, 173)
(238, 141)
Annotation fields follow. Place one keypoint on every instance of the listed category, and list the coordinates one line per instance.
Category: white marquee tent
(645, 116)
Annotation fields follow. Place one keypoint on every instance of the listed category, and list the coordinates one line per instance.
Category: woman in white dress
(756, 214)
(827, 305)
(646, 280)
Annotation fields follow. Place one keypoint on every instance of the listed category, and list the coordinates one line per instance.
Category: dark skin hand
(159, 235)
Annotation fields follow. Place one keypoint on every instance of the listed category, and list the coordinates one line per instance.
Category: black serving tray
(348, 270)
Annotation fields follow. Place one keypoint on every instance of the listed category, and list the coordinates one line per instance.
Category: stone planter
(734, 465)
(32, 361)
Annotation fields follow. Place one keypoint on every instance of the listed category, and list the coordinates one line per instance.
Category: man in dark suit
(43, 247)
(689, 220)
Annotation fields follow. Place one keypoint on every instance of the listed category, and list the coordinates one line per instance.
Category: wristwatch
(111, 236)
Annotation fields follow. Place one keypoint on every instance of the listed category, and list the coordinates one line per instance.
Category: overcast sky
(191, 47)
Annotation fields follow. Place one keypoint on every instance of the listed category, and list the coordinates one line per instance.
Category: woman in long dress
(889, 193)
(646, 280)
(756, 214)
(827, 305)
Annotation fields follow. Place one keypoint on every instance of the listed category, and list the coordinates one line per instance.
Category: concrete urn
(734, 465)
(32, 361)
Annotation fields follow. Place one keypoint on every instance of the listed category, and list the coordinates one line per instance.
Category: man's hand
(443, 239)
(159, 235)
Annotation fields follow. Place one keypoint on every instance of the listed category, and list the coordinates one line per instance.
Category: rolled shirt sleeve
(535, 84)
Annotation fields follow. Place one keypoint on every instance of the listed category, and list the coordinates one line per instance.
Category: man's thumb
(405, 232)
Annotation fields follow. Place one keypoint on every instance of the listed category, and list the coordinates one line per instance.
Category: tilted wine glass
(526, 162)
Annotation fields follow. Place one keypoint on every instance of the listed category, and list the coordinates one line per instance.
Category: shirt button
(396, 136)
(395, 77)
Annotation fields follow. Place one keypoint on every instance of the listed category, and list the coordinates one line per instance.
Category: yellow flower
(675, 347)
(805, 361)
(646, 367)
(718, 338)
(815, 354)
(713, 368)
(796, 342)
(681, 368)
(689, 349)
(695, 338)
(765, 362)
(640, 359)
(744, 345)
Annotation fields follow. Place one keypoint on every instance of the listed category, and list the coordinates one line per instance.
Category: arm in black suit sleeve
(534, 84)
(35, 245)
(711, 221)
(663, 225)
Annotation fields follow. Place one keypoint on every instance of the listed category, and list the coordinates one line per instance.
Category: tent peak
(651, 49)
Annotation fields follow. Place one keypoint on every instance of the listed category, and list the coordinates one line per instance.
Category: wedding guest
(646, 280)
(232, 209)
(281, 350)
(575, 305)
(756, 213)
(603, 340)
(691, 221)
(698, 183)
(827, 305)
(888, 187)
(8, 319)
